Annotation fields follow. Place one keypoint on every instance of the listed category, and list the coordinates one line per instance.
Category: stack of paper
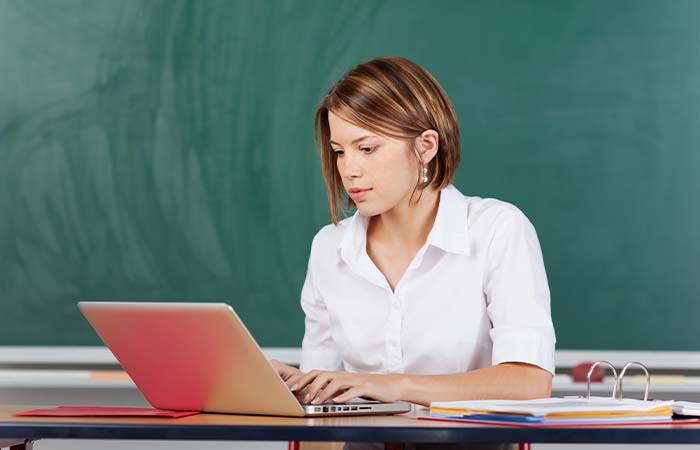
(565, 411)
(686, 408)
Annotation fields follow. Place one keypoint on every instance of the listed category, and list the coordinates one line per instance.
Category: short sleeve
(517, 294)
(318, 350)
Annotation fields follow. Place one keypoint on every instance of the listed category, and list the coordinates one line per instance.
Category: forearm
(503, 381)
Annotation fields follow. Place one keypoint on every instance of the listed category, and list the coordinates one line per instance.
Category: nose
(350, 165)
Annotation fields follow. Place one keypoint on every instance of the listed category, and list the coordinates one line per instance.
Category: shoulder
(501, 230)
(328, 239)
(488, 217)
(332, 234)
(490, 213)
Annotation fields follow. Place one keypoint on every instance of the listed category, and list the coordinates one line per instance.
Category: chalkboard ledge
(101, 358)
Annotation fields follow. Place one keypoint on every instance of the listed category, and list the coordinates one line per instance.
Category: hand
(321, 386)
(290, 375)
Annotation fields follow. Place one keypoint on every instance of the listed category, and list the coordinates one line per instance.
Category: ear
(428, 144)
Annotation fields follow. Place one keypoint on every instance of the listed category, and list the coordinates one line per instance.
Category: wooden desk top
(233, 420)
(397, 428)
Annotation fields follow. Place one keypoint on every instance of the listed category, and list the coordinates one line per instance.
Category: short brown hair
(394, 97)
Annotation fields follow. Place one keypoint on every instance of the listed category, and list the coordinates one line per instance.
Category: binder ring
(590, 372)
(622, 374)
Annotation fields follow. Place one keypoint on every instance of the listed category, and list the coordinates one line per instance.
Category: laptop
(200, 357)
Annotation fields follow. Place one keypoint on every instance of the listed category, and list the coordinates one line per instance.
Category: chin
(369, 210)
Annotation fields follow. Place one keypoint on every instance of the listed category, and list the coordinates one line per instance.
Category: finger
(290, 372)
(306, 379)
(300, 395)
(293, 381)
(310, 376)
(283, 370)
(319, 383)
(314, 387)
(352, 393)
(334, 387)
(276, 365)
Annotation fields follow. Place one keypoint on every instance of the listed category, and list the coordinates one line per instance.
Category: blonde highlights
(395, 97)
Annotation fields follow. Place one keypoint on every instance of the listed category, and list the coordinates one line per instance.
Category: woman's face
(378, 172)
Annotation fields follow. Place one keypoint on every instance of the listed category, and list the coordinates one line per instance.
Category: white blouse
(474, 295)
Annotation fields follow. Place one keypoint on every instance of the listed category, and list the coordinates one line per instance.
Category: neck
(407, 225)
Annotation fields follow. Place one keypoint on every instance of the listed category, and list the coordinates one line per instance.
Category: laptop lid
(191, 356)
(201, 357)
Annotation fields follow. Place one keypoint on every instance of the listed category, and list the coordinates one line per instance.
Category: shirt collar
(355, 238)
(449, 231)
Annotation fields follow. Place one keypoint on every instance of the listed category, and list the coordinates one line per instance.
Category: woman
(423, 294)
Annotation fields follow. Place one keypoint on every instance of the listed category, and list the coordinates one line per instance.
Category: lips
(357, 194)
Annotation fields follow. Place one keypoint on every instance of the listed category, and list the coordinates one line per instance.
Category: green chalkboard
(163, 150)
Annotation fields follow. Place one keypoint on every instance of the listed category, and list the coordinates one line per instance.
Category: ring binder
(590, 372)
(617, 387)
(622, 375)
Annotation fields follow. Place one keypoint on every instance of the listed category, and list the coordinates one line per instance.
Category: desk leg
(293, 445)
(27, 445)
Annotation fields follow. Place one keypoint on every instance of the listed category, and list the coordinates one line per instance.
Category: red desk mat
(103, 411)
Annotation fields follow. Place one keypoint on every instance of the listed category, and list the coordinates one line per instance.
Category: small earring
(424, 178)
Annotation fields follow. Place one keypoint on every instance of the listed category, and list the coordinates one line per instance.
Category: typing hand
(320, 386)
(290, 375)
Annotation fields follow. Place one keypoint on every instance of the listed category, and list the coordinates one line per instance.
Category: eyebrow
(356, 140)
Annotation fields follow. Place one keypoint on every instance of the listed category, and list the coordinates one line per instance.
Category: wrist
(405, 388)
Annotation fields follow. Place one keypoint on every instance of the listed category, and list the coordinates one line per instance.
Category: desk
(400, 428)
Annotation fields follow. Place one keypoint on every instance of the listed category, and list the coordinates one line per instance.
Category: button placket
(394, 353)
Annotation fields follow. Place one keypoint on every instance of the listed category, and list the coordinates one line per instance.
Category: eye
(367, 149)
(338, 151)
